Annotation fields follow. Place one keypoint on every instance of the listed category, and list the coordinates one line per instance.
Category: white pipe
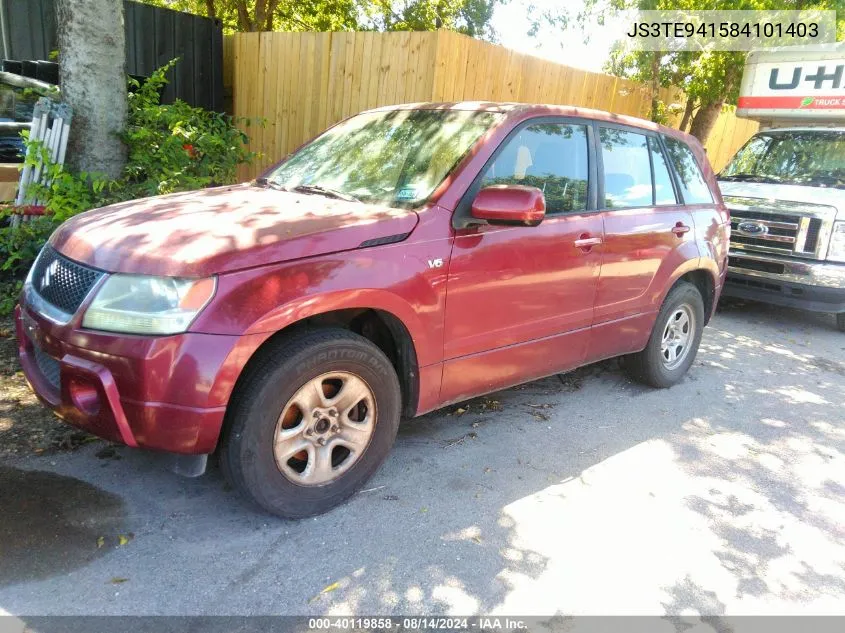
(58, 145)
(50, 127)
(54, 143)
(34, 131)
(40, 174)
(45, 144)
(63, 142)
(43, 127)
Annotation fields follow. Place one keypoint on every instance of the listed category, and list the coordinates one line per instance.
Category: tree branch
(271, 11)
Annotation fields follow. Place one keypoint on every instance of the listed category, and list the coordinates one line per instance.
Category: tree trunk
(244, 21)
(260, 13)
(92, 69)
(687, 114)
(655, 86)
(271, 14)
(210, 9)
(705, 118)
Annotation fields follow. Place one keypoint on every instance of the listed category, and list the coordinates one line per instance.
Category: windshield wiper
(750, 177)
(324, 191)
(270, 184)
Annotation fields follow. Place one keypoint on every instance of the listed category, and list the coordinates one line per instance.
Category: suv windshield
(799, 157)
(398, 157)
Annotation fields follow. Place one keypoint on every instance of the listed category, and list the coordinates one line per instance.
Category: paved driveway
(584, 494)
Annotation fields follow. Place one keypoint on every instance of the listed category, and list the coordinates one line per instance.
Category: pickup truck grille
(802, 233)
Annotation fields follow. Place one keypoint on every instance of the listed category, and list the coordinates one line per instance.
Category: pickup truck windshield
(799, 157)
(395, 158)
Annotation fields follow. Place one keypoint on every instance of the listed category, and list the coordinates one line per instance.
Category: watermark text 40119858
(725, 30)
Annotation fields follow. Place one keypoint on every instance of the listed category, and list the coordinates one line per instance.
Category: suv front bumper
(162, 393)
(793, 283)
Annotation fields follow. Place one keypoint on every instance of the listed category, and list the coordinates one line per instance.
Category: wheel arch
(703, 280)
(382, 327)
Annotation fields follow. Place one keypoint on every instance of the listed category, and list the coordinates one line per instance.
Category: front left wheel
(311, 422)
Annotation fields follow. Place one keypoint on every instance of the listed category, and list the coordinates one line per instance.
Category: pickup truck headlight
(137, 304)
(836, 250)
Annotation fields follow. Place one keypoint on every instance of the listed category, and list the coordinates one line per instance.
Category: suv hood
(801, 194)
(218, 230)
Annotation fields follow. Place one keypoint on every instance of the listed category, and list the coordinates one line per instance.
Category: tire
(840, 321)
(651, 366)
(268, 418)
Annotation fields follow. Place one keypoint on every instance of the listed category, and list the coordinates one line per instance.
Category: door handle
(585, 242)
(680, 228)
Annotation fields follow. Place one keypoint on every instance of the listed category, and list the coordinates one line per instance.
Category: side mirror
(510, 205)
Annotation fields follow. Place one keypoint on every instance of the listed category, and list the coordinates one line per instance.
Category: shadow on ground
(53, 524)
(572, 495)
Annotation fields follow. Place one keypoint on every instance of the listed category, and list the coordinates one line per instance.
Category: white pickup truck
(785, 187)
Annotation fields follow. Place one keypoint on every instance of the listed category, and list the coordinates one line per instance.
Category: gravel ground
(581, 495)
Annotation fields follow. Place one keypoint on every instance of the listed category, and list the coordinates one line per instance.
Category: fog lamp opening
(84, 396)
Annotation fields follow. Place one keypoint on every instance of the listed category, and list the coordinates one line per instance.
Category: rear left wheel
(674, 340)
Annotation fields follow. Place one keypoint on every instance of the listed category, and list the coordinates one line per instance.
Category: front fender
(365, 298)
(296, 311)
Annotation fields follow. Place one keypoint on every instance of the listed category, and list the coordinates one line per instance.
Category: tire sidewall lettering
(340, 355)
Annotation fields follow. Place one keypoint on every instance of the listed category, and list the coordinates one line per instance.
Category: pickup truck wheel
(674, 340)
(840, 321)
(311, 422)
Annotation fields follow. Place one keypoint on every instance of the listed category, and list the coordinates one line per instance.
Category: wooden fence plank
(303, 82)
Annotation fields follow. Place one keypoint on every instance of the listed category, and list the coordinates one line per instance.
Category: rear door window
(553, 157)
(664, 192)
(694, 188)
(627, 170)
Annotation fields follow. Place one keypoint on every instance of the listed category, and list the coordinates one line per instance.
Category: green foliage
(66, 194)
(171, 148)
(706, 76)
(176, 147)
(471, 17)
(18, 249)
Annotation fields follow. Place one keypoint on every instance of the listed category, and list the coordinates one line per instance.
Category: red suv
(407, 258)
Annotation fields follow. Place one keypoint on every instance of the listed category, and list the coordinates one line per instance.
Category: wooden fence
(300, 83)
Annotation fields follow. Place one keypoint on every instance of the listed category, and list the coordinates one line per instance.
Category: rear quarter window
(693, 186)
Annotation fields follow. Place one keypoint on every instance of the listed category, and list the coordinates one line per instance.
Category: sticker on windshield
(407, 193)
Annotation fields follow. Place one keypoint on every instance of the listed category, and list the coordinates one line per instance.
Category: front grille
(62, 282)
(813, 232)
(784, 227)
(755, 283)
(781, 230)
(754, 264)
(49, 367)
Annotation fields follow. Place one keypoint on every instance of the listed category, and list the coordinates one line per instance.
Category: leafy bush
(171, 148)
(176, 147)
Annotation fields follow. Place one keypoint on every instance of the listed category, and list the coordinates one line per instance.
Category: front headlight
(836, 250)
(136, 304)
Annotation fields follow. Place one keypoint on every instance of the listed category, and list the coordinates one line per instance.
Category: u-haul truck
(786, 186)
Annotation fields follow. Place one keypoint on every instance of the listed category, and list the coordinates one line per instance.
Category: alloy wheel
(324, 428)
(678, 334)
